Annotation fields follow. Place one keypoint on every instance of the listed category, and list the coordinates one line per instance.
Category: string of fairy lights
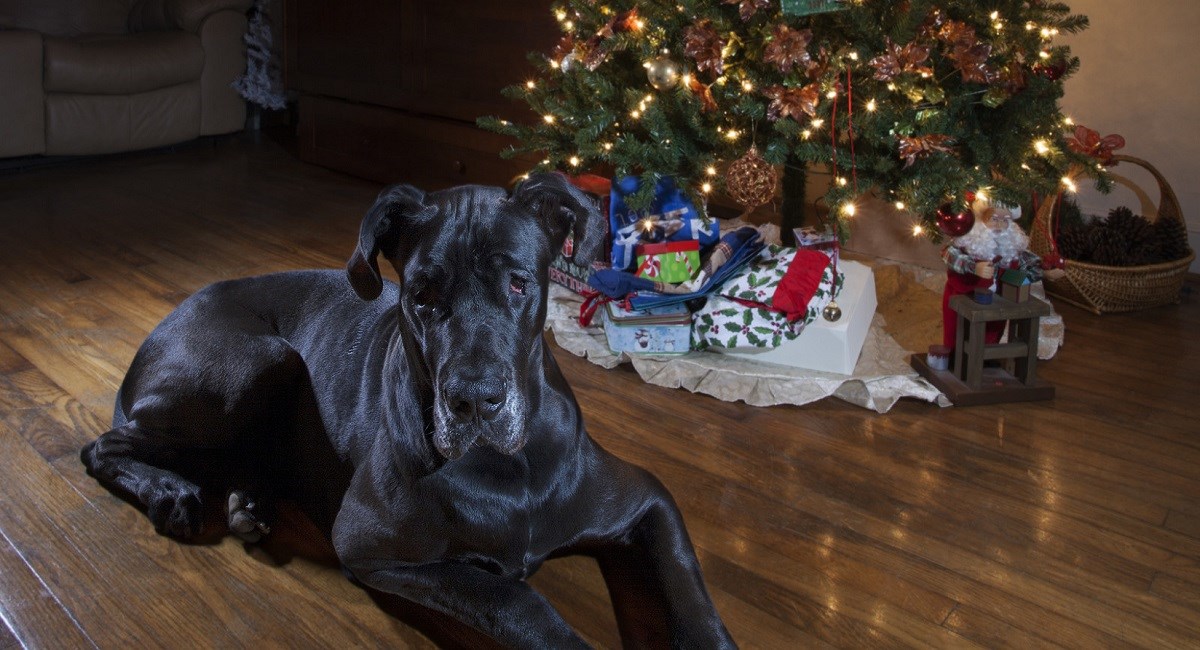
(671, 69)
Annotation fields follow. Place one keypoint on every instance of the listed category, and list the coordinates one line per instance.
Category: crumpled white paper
(880, 379)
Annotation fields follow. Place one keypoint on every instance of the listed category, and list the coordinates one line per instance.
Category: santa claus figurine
(976, 260)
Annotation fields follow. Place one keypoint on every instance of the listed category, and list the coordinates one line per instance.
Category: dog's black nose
(468, 398)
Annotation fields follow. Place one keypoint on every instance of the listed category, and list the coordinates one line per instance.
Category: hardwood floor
(1072, 523)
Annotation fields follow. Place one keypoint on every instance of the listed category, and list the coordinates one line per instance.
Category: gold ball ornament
(750, 180)
(832, 312)
(662, 72)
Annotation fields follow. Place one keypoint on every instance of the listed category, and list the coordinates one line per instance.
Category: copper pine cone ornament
(750, 180)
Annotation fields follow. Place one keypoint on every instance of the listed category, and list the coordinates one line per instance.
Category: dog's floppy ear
(566, 208)
(394, 210)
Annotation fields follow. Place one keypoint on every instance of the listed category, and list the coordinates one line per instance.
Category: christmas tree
(918, 101)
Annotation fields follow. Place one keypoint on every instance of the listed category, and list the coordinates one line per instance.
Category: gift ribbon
(651, 267)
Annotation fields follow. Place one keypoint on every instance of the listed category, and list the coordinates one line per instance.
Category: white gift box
(823, 345)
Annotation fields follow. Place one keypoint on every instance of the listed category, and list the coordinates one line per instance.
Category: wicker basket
(1111, 289)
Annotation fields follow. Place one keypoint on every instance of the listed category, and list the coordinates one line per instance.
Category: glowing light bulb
(560, 15)
(806, 134)
(706, 188)
(635, 114)
(1069, 184)
(711, 171)
(747, 86)
(848, 209)
(732, 134)
(841, 181)
(607, 146)
(548, 118)
(832, 94)
(871, 106)
(530, 84)
(854, 56)
(918, 230)
(817, 123)
(1041, 146)
(995, 15)
(574, 160)
(900, 205)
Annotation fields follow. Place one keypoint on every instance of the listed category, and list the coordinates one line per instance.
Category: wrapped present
(819, 239)
(672, 262)
(661, 330)
(670, 217)
(769, 301)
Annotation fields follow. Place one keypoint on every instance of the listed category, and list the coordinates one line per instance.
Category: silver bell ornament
(567, 62)
(832, 312)
(662, 72)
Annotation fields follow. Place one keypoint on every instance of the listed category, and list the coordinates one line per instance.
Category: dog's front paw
(242, 519)
(173, 506)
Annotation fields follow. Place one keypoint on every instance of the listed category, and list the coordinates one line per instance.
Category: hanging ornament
(1052, 71)
(663, 72)
(922, 146)
(897, 60)
(792, 102)
(704, 45)
(747, 8)
(788, 48)
(703, 92)
(954, 224)
(597, 48)
(750, 180)
(832, 312)
(971, 60)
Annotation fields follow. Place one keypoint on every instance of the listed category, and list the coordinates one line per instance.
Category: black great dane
(424, 426)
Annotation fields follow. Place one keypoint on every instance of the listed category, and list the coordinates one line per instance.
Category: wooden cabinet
(389, 90)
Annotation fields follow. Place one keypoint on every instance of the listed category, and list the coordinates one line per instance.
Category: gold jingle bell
(832, 312)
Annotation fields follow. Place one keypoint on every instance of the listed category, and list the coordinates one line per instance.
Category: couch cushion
(121, 65)
(66, 17)
(93, 124)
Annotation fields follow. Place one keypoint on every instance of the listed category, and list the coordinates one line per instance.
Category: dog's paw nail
(242, 522)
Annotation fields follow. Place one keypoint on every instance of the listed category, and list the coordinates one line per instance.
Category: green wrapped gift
(673, 261)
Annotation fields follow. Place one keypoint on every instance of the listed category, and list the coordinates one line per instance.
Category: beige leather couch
(103, 76)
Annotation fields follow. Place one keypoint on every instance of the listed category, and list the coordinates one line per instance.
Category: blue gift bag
(671, 217)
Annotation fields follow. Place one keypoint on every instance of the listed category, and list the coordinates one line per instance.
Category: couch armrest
(188, 15)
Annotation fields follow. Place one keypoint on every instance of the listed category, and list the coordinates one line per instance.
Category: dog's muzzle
(476, 412)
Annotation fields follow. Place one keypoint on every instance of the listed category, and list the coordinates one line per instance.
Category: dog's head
(473, 264)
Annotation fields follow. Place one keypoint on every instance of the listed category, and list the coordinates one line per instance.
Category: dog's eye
(424, 297)
(516, 284)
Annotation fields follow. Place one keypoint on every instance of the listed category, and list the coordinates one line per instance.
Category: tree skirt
(880, 379)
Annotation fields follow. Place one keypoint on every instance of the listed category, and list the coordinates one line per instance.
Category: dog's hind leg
(126, 460)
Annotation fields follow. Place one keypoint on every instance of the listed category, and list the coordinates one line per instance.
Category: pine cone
(1125, 240)
(1171, 237)
(1075, 242)
(1110, 248)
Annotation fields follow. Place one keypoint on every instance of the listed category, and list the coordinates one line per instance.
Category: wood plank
(32, 615)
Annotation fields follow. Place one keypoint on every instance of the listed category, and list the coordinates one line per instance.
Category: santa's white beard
(983, 243)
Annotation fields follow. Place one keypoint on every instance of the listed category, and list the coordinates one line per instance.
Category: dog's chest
(485, 512)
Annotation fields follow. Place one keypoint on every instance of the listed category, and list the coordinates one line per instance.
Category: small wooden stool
(968, 382)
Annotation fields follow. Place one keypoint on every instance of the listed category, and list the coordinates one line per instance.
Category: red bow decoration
(1089, 143)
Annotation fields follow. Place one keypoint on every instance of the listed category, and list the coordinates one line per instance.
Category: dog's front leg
(650, 566)
(507, 610)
